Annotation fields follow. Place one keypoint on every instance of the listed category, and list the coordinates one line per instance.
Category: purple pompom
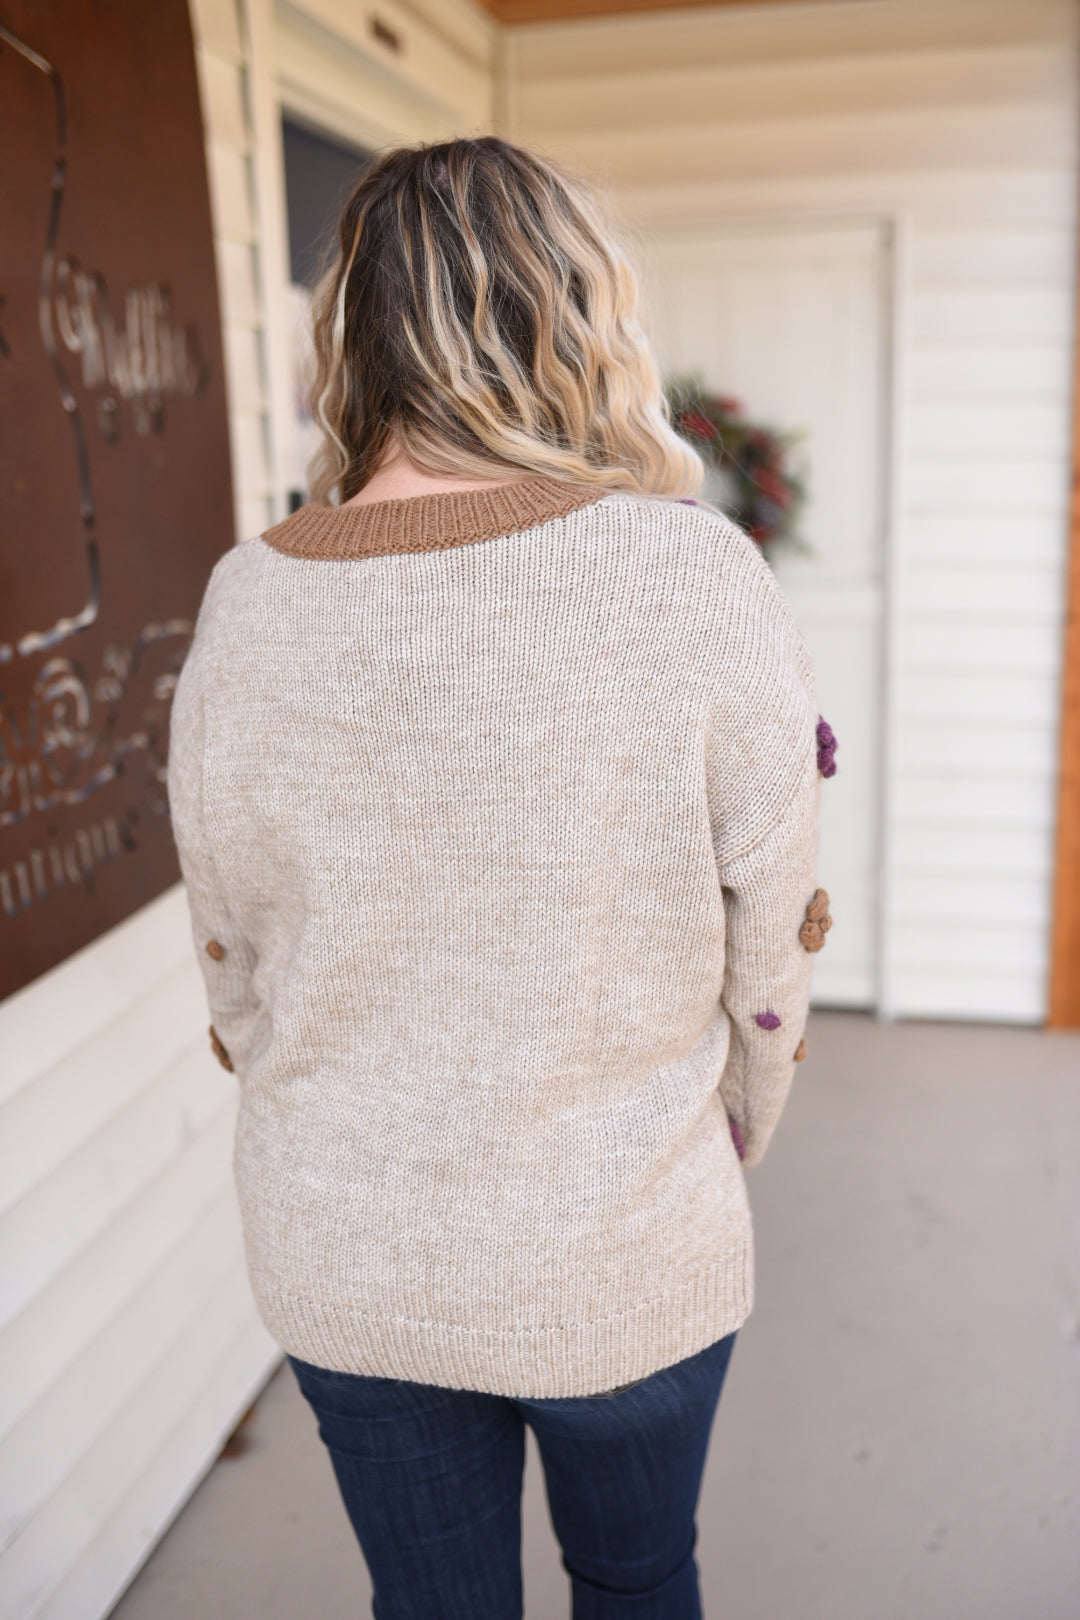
(737, 1138)
(826, 747)
(767, 1020)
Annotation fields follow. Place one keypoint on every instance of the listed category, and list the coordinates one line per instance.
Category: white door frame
(898, 226)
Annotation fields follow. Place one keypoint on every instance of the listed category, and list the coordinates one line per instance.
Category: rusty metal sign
(115, 495)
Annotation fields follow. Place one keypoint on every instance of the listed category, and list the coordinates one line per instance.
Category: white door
(793, 321)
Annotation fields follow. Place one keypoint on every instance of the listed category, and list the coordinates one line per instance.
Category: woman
(495, 789)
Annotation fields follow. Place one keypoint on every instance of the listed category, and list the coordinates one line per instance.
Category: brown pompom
(800, 1051)
(819, 906)
(215, 949)
(818, 922)
(220, 1051)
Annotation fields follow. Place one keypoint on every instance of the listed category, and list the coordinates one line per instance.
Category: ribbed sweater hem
(576, 1359)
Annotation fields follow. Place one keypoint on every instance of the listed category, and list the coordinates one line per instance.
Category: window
(319, 172)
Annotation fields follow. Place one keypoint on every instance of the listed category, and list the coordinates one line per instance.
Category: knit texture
(507, 844)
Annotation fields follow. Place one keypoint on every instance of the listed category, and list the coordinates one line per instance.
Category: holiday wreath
(752, 465)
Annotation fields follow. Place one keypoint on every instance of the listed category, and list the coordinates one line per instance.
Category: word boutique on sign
(54, 866)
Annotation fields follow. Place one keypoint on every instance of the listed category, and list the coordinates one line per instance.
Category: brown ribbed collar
(427, 522)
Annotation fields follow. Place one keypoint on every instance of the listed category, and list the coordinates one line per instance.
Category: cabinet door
(793, 321)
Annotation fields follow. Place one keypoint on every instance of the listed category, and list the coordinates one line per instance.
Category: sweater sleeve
(767, 967)
(226, 958)
(763, 790)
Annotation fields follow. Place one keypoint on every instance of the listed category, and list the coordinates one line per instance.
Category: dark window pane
(319, 172)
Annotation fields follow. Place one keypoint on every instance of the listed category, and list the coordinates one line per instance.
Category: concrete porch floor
(899, 1438)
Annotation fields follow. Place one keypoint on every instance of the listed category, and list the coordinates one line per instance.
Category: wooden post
(1065, 945)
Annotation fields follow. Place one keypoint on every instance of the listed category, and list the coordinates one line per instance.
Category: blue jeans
(431, 1479)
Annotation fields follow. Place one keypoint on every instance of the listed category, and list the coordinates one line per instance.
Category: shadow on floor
(899, 1434)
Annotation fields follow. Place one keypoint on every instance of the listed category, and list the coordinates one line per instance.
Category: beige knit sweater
(497, 813)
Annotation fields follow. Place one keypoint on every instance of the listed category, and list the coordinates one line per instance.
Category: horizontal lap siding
(119, 1240)
(177, 1450)
(92, 1185)
(961, 118)
(980, 614)
(129, 1342)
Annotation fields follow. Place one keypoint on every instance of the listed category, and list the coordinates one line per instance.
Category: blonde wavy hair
(481, 309)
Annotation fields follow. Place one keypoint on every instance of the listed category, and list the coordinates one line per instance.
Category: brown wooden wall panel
(115, 494)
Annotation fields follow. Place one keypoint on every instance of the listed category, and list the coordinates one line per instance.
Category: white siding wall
(958, 119)
(129, 1344)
